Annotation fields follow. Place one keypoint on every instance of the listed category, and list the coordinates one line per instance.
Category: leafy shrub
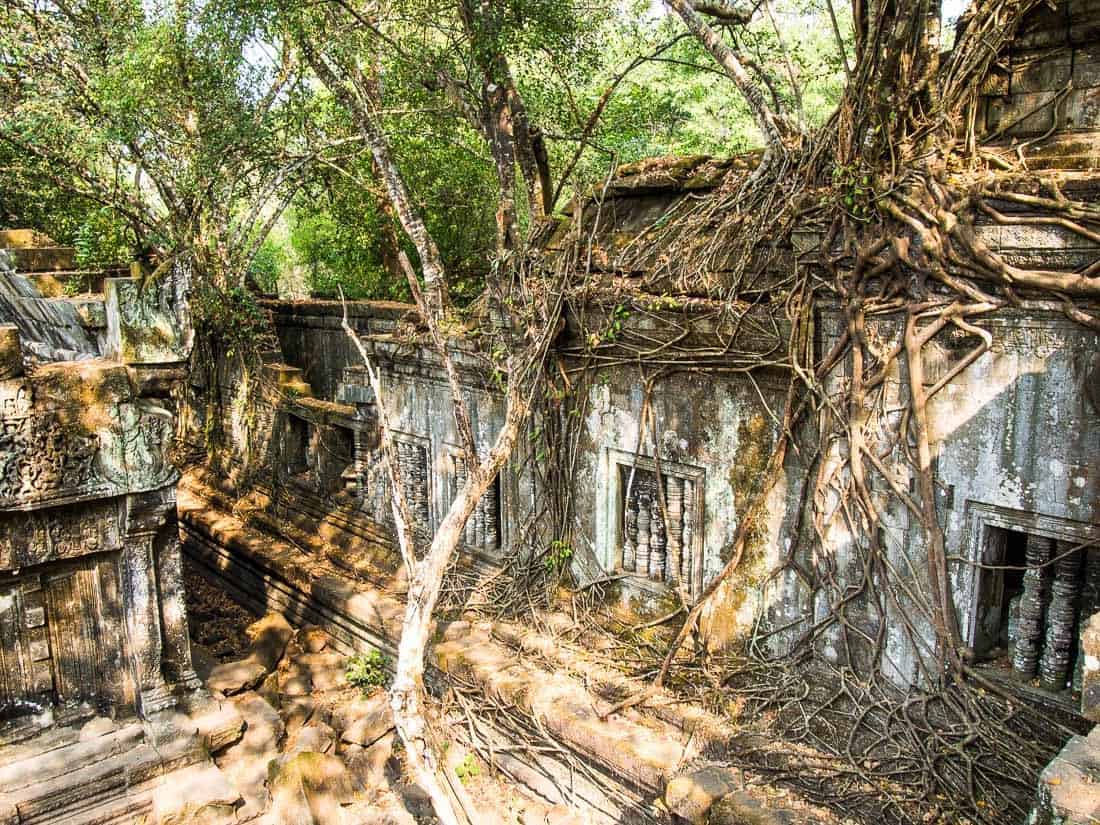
(368, 671)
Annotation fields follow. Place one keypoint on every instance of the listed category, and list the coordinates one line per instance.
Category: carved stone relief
(27, 539)
(59, 455)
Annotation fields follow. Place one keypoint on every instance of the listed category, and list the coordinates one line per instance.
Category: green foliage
(855, 188)
(140, 129)
(230, 320)
(469, 768)
(558, 556)
(368, 671)
(268, 264)
(167, 124)
(102, 239)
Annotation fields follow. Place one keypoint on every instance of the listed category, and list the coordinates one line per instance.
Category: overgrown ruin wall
(668, 453)
(1016, 437)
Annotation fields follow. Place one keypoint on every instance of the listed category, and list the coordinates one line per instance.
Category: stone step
(42, 258)
(78, 282)
(70, 796)
(288, 378)
(41, 767)
(23, 238)
(1069, 787)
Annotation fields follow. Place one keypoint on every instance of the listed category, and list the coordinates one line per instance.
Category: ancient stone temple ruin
(659, 473)
(666, 400)
(93, 629)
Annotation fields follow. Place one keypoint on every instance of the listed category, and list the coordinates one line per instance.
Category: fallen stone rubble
(656, 758)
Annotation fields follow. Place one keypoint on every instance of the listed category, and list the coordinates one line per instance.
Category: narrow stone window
(483, 529)
(1038, 593)
(658, 526)
(412, 458)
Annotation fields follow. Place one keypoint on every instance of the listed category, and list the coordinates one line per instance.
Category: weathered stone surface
(314, 736)
(297, 711)
(312, 639)
(739, 808)
(384, 808)
(295, 681)
(91, 599)
(219, 725)
(269, 637)
(96, 727)
(245, 763)
(236, 677)
(365, 720)
(690, 796)
(199, 795)
(327, 671)
(1069, 787)
(309, 789)
(203, 661)
(142, 321)
(369, 764)
(1090, 675)
(11, 352)
(269, 689)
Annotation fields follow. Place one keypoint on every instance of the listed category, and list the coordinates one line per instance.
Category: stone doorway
(62, 643)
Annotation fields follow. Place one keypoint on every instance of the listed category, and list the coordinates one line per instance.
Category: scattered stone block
(1090, 674)
(269, 636)
(690, 796)
(219, 725)
(364, 721)
(310, 789)
(368, 765)
(269, 689)
(9, 815)
(562, 815)
(232, 678)
(739, 808)
(384, 808)
(312, 639)
(316, 737)
(297, 711)
(295, 681)
(245, 763)
(199, 795)
(327, 671)
(1069, 787)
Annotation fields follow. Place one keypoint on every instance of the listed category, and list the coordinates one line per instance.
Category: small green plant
(368, 671)
(558, 556)
(468, 769)
(615, 322)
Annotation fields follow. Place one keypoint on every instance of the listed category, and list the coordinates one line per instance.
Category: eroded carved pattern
(41, 457)
(1030, 340)
(28, 539)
